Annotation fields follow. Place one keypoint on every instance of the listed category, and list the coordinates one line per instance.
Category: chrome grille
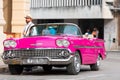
(51, 53)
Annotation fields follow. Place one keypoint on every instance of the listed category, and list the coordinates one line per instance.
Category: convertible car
(53, 45)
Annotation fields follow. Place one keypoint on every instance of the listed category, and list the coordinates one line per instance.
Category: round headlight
(6, 44)
(59, 43)
(10, 43)
(62, 42)
(13, 44)
(66, 43)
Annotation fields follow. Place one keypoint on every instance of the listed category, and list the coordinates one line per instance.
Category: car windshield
(55, 29)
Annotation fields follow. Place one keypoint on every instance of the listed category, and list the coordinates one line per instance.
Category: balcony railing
(63, 3)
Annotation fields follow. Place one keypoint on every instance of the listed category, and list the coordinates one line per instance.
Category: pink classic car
(53, 44)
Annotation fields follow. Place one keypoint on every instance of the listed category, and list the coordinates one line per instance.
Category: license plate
(35, 61)
(15, 62)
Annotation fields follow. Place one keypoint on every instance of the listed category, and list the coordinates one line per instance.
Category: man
(29, 24)
(95, 32)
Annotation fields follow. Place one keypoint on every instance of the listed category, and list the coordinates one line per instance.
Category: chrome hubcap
(98, 61)
(77, 63)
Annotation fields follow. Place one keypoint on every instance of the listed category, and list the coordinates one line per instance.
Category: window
(54, 29)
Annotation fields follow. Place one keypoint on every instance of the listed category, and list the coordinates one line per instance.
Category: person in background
(28, 25)
(45, 31)
(49, 31)
(95, 32)
(88, 34)
(52, 30)
(26, 32)
(88, 31)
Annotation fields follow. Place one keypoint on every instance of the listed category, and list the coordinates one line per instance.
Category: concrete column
(7, 8)
(2, 23)
(106, 13)
(117, 15)
(19, 9)
(2, 35)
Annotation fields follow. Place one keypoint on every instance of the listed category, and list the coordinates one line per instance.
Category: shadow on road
(54, 71)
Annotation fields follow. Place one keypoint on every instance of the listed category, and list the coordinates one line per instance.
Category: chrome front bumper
(39, 61)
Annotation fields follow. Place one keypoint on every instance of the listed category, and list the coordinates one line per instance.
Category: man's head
(28, 18)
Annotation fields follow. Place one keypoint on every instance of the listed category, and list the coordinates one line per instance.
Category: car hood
(37, 42)
(40, 42)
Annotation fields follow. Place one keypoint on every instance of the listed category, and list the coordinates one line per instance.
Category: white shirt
(27, 28)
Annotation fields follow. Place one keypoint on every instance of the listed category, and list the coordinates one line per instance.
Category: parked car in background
(53, 44)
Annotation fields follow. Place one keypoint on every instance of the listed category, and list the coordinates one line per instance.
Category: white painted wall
(2, 22)
(106, 13)
(2, 37)
(110, 32)
(67, 13)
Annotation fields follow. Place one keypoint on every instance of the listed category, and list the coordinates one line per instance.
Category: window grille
(63, 3)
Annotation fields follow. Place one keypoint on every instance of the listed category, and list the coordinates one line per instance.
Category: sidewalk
(3, 67)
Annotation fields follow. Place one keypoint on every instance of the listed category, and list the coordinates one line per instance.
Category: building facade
(86, 13)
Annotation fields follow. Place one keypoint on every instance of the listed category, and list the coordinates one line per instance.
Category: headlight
(59, 43)
(66, 43)
(9, 43)
(6, 44)
(62, 42)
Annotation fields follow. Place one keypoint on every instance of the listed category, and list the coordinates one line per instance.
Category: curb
(113, 51)
(3, 68)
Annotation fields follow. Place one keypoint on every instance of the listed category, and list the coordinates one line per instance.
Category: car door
(88, 51)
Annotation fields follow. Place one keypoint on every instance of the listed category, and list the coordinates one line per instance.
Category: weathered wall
(110, 32)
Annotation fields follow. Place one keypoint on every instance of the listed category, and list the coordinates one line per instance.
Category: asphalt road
(110, 70)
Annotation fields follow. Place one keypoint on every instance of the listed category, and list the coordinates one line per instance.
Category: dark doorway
(90, 24)
(83, 23)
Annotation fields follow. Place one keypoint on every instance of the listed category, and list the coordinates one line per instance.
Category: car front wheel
(74, 67)
(15, 69)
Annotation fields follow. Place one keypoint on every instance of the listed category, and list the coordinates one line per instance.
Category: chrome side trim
(88, 47)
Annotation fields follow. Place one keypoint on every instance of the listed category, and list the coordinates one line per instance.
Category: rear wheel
(74, 67)
(15, 69)
(95, 67)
